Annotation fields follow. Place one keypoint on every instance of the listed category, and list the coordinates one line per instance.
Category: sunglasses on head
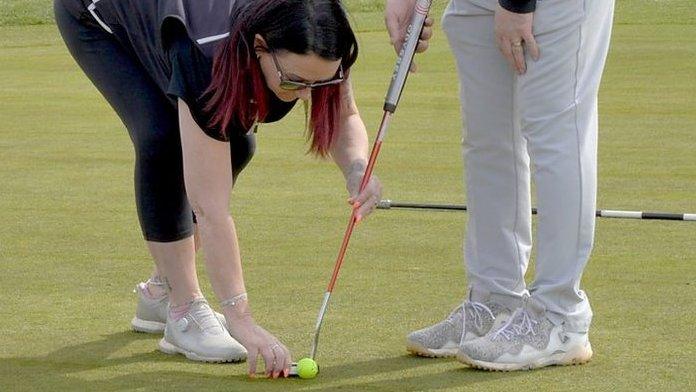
(293, 85)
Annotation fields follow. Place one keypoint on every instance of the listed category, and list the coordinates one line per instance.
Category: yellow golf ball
(307, 368)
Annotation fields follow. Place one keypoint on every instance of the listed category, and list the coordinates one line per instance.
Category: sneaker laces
(475, 311)
(453, 314)
(520, 323)
(204, 317)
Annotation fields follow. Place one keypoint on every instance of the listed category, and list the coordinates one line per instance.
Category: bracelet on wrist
(234, 301)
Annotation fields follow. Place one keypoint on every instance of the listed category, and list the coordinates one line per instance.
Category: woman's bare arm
(208, 178)
(350, 152)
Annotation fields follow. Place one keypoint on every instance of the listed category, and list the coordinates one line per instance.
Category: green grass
(71, 250)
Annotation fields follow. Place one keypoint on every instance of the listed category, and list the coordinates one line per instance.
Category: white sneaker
(151, 313)
(468, 321)
(528, 340)
(200, 336)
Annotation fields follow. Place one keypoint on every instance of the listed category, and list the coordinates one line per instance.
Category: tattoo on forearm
(358, 165)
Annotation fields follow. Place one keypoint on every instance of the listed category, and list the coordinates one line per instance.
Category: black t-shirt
(191, 73)
(175, 41)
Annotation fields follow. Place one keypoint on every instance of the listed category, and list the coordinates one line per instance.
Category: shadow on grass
(60, 370)
(339, 377)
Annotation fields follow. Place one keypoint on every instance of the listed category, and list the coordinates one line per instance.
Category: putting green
(71, 250)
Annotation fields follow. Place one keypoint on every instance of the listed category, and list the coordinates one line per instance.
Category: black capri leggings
(150, 117)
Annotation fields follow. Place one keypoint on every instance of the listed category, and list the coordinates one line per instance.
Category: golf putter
(401, 71)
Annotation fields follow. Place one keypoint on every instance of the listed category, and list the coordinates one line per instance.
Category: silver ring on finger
(517, 44)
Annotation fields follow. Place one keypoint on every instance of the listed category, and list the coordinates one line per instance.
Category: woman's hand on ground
(258, 342)
(366, 201)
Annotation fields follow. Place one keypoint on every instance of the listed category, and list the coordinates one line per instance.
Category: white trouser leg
(551, 112)
(497, 165)
(557, 102)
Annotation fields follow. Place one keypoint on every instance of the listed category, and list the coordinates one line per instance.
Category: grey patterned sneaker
(442, 340)
(528, 340)
(200, 336)
(151, 313)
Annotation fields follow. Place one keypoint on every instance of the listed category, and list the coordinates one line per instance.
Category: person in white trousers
(529, 75)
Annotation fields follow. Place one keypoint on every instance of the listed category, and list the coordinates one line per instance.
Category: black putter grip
(408, 50)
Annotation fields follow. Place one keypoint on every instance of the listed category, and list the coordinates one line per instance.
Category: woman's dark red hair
(238, 96)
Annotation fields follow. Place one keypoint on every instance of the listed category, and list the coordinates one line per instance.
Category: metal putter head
(293, 370)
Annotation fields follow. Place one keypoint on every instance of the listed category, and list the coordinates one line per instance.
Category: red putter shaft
(398, 81)
(365, 180)
(349, 230)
